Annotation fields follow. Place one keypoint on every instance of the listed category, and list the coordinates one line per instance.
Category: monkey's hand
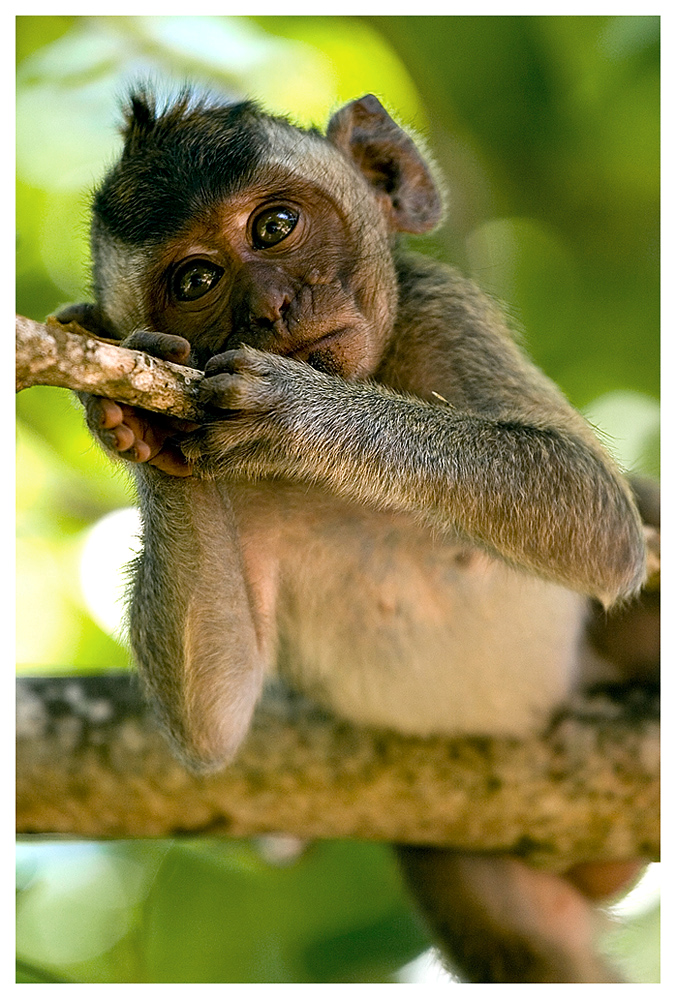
(138, 435)
(262, 404)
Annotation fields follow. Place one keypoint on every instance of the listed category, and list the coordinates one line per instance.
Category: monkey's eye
(272, 226)
(195, 278)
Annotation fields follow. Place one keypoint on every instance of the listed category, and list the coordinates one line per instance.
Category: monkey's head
(227, 226)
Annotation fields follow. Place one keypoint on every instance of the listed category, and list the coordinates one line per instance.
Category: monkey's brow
(151, 194)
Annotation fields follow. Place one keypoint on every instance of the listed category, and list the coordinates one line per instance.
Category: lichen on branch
(91, 762)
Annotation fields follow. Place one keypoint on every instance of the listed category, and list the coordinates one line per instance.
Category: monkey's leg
(497, 920)
(191, 622)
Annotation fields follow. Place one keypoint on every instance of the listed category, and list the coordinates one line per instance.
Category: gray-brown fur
(390, 499)
(470, 901)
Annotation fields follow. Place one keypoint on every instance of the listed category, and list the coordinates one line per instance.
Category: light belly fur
(390, 625)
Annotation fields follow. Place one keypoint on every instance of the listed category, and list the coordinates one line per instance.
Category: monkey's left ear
(390, 161)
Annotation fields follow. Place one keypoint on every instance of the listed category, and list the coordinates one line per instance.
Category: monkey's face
(227, 226)
(278, 266)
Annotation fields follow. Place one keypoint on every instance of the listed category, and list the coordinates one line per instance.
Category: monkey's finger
(120, 438)
(242, 359)
(166, 346)
(104, 413)
(224, 391)
(224, 362)
(141, 421)
(603, 879)
(145, 429)
(140, 451)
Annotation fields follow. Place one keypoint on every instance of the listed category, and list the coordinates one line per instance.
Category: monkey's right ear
(390, 161)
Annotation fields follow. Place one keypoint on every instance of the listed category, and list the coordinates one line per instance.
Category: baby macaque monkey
(389, 506)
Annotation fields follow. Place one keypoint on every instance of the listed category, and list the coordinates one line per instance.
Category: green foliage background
(547, 131)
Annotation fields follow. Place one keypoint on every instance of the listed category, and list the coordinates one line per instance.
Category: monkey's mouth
(323, 343)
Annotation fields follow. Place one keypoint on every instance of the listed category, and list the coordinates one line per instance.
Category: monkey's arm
(191, 625)
(190, 619)
(535, 492)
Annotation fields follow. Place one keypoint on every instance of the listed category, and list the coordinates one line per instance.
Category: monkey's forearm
(190, 622)
(539, 497)
(536, 497)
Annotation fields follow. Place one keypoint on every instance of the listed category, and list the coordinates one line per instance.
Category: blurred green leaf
(164, 911)
(36, 32)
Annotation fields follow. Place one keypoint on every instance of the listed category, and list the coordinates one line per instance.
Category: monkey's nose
(268, 304)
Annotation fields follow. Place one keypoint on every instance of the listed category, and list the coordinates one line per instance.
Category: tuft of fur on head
(178, 157)
(149, 117)
(140, 115)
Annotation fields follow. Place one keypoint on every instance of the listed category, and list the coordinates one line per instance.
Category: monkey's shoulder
(451, 339)
(430, 290)
(453, 343)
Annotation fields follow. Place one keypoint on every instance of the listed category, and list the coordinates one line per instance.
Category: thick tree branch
(68, 356)
(91, 763)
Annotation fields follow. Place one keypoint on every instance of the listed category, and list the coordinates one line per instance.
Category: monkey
(389, 506)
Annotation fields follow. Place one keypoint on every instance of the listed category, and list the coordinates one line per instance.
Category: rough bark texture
(91, 763)
(69, 357)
